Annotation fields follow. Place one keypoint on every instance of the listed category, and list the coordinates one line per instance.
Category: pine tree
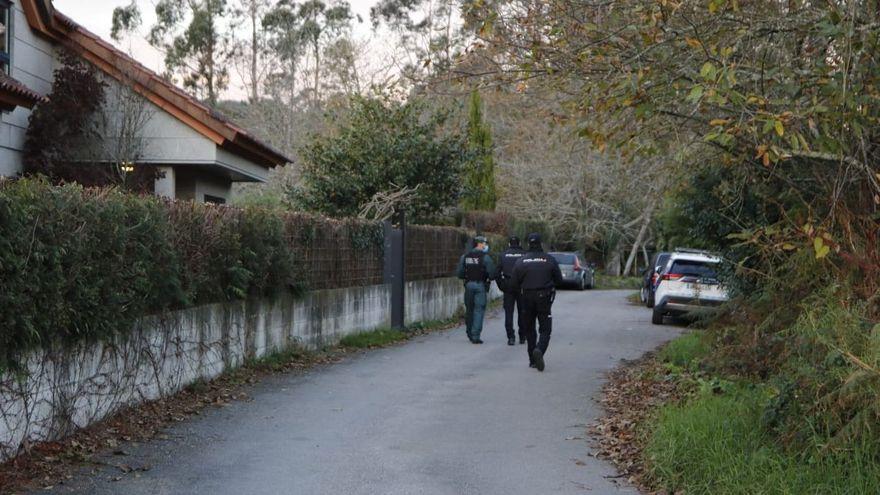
(479, 176)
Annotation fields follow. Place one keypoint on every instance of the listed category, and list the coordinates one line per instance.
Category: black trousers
(537, 306)
(513, 300)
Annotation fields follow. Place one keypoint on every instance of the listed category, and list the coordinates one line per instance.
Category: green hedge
(84, 264)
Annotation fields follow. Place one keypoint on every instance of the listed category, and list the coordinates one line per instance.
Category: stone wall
(70, 388)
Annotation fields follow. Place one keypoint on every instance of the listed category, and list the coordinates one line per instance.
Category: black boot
(522, 340)
(538, 359)
(511, 341)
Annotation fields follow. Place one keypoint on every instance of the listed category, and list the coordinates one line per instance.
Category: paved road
(435, 416)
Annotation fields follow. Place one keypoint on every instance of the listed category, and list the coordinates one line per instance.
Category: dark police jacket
(536, 270)
(476, 266)
(504, 273)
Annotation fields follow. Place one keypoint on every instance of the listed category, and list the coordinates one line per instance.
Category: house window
(5, 35)
(216, 200)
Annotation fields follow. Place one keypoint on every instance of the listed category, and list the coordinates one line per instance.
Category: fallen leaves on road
(50, 464)
(632, 393)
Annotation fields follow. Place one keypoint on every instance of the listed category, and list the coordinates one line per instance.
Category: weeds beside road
(675, 426)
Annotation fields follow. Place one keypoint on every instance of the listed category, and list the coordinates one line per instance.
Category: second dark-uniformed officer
(503, 277)
(477, 270)
(536, 276)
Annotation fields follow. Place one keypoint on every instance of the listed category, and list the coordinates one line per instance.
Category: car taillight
(672, 276)
(577, 265)
(654, 278)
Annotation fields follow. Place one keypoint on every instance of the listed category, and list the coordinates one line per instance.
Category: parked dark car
(652, 278)
(575, 272)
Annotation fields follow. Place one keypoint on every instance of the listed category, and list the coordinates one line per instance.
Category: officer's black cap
(480, 239)
(534, 238)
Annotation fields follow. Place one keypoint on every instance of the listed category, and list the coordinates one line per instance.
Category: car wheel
(657, 317)
(582, 284)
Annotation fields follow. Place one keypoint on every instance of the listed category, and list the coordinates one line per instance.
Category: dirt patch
(633, 392)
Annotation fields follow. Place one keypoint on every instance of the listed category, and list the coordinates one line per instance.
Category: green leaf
(708, 71)
(780, 129)
(695, 94)
(821, 248)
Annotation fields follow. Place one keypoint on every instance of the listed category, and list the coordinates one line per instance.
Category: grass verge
(671, 426)
(375, 338)
(716, 444)
(685, 351)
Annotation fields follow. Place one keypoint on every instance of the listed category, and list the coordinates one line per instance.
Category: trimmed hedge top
(86, 263)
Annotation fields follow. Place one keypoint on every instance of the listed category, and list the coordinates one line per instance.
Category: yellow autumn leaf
(822, 249)
(718, 122)
(780, 129)
(693, 43)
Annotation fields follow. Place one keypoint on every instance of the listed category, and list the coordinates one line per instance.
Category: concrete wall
(437, 299)
(66, 389)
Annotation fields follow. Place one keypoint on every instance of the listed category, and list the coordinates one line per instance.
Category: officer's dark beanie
(513, 241)
(534, 241)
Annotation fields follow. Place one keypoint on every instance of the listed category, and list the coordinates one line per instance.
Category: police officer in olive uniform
(503, 276)
(476, 269)
(536, 276)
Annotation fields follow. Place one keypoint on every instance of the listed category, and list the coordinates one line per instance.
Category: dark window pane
(564, 258)
(694, 268)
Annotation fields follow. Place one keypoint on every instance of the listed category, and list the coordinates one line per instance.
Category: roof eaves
(116, 63)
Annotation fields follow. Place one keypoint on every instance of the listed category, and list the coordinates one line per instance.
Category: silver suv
(688, 284)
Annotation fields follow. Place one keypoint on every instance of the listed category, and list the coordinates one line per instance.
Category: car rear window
(662, 260)
(690, 268)
(564, 258)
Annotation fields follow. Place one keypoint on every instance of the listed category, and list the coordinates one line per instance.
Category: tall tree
(479, 177)
(252, 51)
(320, 24)
(126, 20)
(197, 46)
(429, 33)
(284, 27)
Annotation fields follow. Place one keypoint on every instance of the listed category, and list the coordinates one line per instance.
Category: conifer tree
(479, 175)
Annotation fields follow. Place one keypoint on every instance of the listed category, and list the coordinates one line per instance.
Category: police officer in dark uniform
(536, 276)
(477, 269)
(503, 277)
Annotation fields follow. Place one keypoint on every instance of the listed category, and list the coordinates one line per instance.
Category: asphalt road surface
(435, 416)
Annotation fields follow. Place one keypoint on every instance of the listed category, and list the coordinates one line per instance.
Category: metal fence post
(394, 270)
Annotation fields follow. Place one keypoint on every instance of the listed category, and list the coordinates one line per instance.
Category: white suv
(689, 283)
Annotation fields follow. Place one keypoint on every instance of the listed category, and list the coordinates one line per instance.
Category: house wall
(33, 63)
(166, 140)
(194, 183)
(214, 186)
(69, 388)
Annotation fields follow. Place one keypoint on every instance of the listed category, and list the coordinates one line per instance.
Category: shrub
(715, 444)
(81, 263)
